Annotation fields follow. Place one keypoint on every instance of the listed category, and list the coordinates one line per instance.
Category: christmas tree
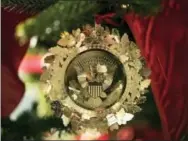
(43, 31)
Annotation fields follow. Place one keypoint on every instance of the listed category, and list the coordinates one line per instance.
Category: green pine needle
(63, 16)
(29, 6)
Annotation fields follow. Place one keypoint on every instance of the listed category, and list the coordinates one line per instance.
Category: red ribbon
(107, 18)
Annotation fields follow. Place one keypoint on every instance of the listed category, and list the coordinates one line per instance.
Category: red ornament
(31, 64)
(127, 133)
(103, 137)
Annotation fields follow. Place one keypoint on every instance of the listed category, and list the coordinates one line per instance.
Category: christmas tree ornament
(96, 78)
(127, 133)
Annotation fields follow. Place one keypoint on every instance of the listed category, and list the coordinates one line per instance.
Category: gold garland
(102, 118)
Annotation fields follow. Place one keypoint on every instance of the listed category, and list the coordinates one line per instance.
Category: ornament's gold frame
(54, 87)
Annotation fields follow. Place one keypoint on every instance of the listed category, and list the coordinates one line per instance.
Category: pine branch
(29, 6)
(34, 6)
(63, 16)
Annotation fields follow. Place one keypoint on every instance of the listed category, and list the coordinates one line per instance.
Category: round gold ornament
(95, 78)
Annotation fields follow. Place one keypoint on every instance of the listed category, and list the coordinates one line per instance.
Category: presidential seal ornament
(94, 79)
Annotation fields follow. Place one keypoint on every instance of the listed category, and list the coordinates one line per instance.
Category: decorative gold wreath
(69, 46)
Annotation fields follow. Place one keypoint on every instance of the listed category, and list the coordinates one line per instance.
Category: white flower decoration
(123, 117)
(111, 119)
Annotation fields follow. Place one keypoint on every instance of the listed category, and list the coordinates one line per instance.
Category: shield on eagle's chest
(95, 89)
